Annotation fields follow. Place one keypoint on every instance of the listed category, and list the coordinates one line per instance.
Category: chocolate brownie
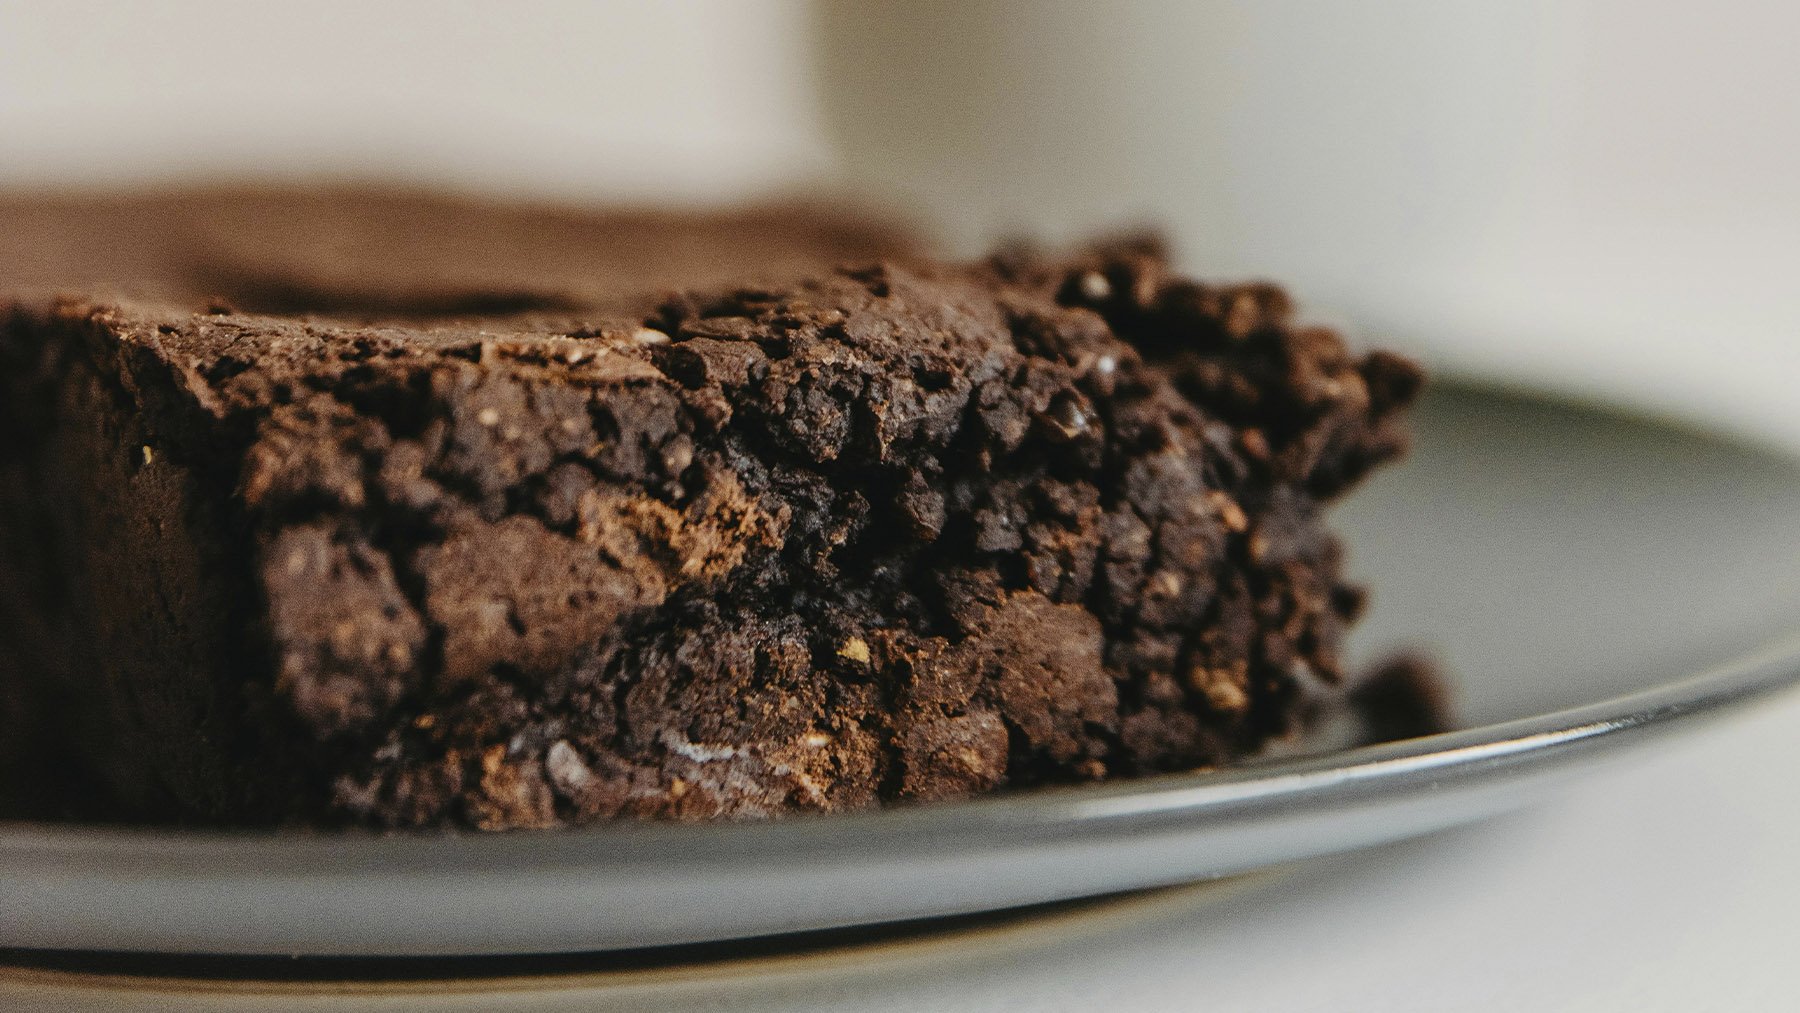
(885, 533)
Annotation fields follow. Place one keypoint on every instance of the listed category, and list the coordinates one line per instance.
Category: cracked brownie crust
(894, 533)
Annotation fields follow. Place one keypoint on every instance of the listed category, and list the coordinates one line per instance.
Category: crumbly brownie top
(890, 533)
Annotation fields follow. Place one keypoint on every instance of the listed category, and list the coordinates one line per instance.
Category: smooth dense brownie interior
(890, 533)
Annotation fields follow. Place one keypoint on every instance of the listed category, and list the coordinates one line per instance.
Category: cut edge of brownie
(893, 533)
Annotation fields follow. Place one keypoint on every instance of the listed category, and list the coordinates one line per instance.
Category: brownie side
(881, 535)
(125, 588)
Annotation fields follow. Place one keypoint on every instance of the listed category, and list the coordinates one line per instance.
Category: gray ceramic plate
(1593, 581)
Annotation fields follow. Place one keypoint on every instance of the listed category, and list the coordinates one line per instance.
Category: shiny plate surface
(1594, 581)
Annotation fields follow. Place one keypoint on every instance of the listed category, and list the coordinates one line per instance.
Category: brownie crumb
(1403, 697)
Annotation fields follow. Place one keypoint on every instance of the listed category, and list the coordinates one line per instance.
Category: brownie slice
(883, 534)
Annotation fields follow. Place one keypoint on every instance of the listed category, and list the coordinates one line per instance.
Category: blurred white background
(1598, 194)
(669, 99)
(1591, 193)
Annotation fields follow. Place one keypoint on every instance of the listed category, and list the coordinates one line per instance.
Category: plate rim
(630, 884)
(133, 890)
(1492, 748)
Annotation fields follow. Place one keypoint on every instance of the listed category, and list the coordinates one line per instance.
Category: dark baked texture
(346, 250)
(887, 533)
